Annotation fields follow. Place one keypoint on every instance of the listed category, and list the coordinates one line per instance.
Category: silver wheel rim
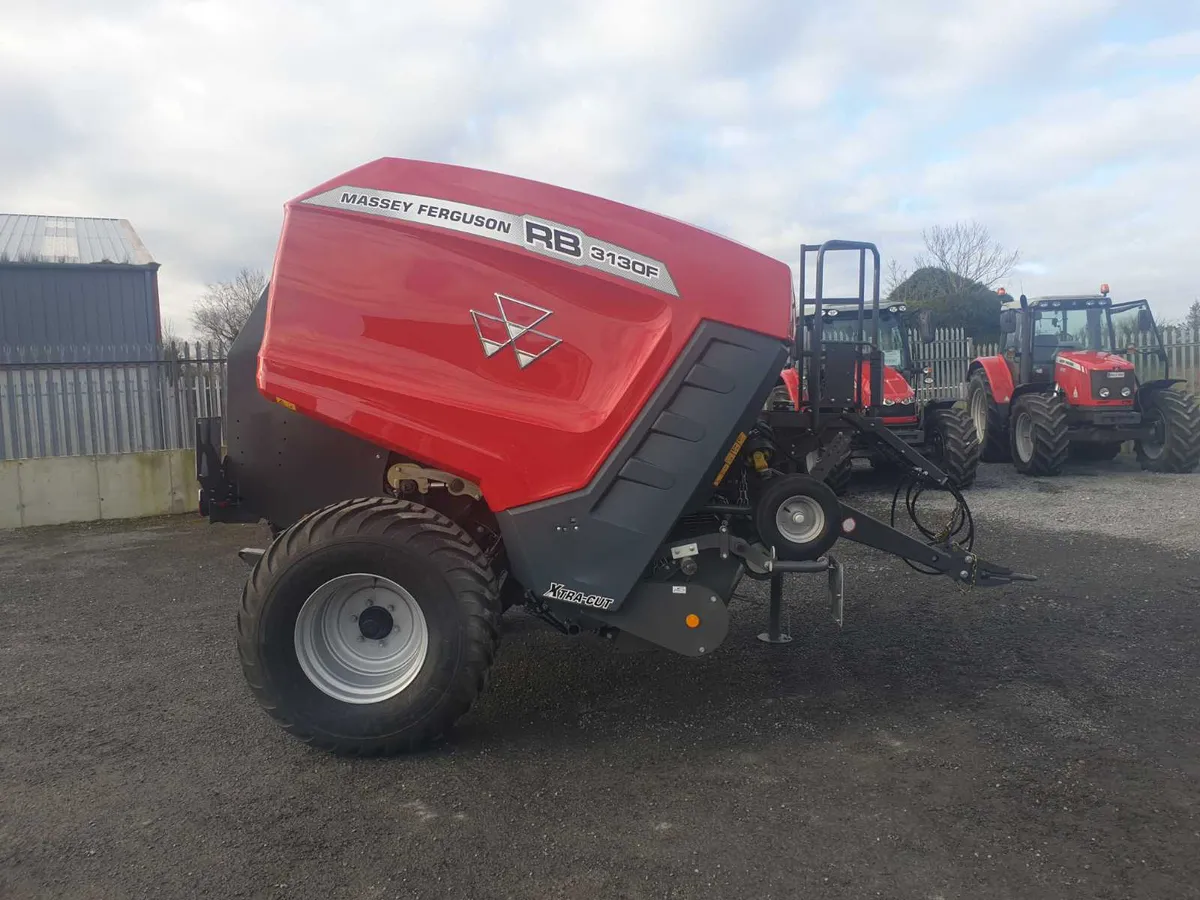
(361, 638)
(1024, 432)
(979, 415)
(1151, 448)
(800, 519)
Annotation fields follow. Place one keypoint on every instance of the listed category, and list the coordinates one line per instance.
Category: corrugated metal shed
(70, 241)
(84, 287)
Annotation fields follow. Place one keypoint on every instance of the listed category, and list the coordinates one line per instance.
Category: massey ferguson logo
(514, 327)
(566, 595)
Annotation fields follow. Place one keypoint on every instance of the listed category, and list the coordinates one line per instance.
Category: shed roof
(70, 241)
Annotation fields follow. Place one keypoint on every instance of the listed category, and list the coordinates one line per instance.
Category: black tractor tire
(1090, 451)
(950, 436)
(839, 478)
(1049, 445)
(814, 500)
(1179, 416)
(993, 443)
(427, 555)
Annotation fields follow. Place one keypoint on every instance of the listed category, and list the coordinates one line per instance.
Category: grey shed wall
(100, 310)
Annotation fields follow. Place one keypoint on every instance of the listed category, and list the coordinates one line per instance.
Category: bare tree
(226, 305)
(966, 250)
(895, 276)
(171, 334)
(1193, 316)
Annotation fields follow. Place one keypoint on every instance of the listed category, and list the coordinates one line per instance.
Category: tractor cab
(848, 323)
(854, 346)
(1075, 340)
(845, 385)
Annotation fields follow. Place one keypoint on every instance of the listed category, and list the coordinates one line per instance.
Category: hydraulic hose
(958, 529)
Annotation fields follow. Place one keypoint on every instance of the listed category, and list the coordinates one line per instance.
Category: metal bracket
(870, 425)
(774, 634)
(833, 454)
(423, 478)
(251, 555)
(837, 588)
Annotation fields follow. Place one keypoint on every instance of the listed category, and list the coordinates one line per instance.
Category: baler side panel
(391, 323)
(597, 542)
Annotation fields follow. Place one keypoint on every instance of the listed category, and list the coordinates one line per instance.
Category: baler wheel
(799, 516)
(369, 627)
(1038, 434)
(1176, 447)
(951, 437)
(991, 428)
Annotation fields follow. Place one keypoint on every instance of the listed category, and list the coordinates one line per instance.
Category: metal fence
(60, 401)
(1183, 353)
(948, 355)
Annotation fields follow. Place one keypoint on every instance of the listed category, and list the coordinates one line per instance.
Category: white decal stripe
(1069, 363)
(555, 240)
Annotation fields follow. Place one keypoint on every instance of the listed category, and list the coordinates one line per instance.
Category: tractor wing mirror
(1008, 321)
(1145, 320)
(925, 325)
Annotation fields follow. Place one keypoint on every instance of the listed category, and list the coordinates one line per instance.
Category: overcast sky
(1071, 128)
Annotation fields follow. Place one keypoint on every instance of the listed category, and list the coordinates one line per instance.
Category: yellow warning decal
(730, 457)
(287, 403)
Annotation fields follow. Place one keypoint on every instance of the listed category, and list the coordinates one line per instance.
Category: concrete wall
(62, 489)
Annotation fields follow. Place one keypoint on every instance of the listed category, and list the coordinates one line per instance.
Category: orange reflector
(693, 620)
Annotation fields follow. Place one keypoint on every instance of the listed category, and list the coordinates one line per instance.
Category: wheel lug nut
(354, 617)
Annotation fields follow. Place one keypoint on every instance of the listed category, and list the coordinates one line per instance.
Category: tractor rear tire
(950, 435)
(1089, 451)
(984, 410)
(1179, 418)
(1038, 434)
(333, 591)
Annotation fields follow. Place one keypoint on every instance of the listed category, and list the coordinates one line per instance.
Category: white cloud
(773, 122)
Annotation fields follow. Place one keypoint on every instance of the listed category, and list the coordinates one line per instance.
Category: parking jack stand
(773, 634)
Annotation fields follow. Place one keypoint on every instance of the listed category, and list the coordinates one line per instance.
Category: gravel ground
(1033, 741)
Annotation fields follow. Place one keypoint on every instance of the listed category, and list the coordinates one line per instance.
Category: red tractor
(463, 391)
(941, 430)
(1065, 385)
